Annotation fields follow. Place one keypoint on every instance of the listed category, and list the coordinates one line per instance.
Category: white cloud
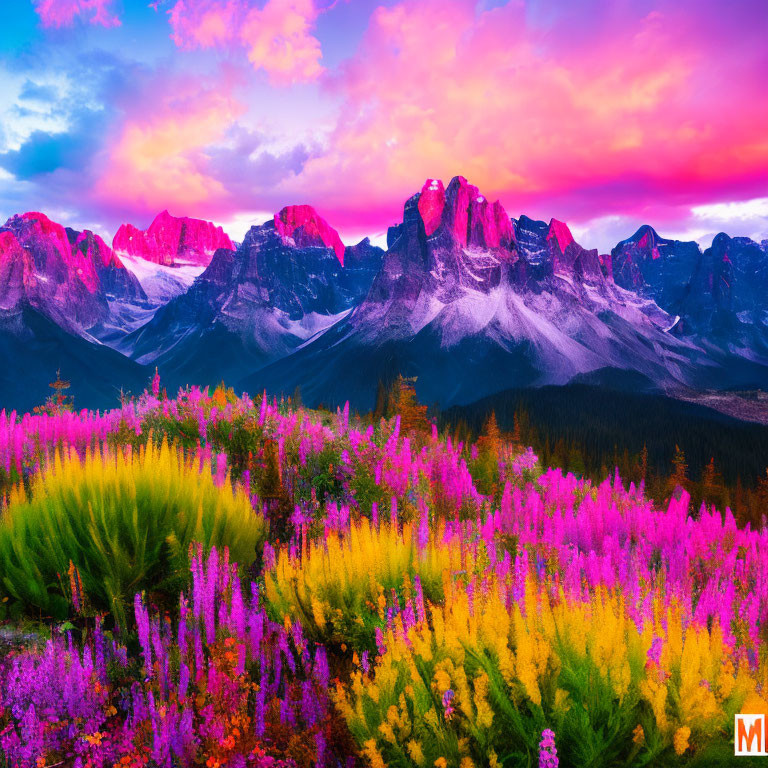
(743, 218)
(744, 210)
(20, 118)
(237, 226)
(603, 232)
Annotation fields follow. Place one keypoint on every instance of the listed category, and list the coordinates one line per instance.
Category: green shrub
(113, 524)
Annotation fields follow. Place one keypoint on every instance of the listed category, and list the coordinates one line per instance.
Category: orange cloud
(278, 37)
(63, 13)
(159, 157)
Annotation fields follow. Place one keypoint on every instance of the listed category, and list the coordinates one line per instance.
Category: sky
(604, 114)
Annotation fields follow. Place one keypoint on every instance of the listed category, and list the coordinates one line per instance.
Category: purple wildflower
(654, 652)
(547, 750)
(142, 628)
(448, 708)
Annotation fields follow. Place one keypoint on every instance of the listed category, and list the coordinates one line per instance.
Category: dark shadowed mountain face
(472, 302)
(283, 285)
(720, 296)
(33, 348)
(654, 267)
(727, 300)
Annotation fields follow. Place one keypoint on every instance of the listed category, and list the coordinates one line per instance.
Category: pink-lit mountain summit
(172, 240)
(469, 215)
(306, 227)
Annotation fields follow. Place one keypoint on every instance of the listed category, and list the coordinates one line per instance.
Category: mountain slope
(56, 290)
(39, 347)
(467, 299)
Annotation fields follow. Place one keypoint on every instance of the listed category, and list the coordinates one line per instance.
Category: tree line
(664, 443)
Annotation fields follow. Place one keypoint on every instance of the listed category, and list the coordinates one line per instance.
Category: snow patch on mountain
(161, 283)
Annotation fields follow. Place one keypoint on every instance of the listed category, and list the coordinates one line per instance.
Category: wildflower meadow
(218, 580)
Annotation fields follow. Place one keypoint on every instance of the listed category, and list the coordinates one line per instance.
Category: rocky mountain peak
(114, 279)
(459, 214)
(431, 205)
(304, 225)
(559, 235)
(172, 240)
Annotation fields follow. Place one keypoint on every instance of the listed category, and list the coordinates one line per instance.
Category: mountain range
(465, 298)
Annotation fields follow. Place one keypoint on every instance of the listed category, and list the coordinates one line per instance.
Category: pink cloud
(63, 13)
(279, 40)
(277, 37)
(205, 24)
(589, 114)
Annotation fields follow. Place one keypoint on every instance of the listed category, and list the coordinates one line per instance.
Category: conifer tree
(575, 461)
(413, 415)
(558, 458)
(381, 409)
(712, 484)
(462, 432)
(679, 476)
(58, 402)
(761, 493)
(490, 438)
(517, 437)
(644, 462)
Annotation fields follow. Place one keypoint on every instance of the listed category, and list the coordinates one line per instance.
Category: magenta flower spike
(547, 750)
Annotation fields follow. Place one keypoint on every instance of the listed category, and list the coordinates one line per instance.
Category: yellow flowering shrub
(339, 587)
(496, 674)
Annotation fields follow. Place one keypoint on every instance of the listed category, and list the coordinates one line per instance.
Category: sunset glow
(606, 115)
